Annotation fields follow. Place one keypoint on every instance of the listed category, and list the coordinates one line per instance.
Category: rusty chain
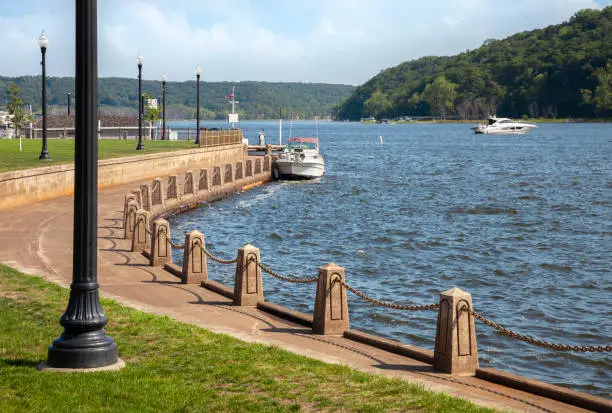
(282, 277)
(212, 257)
(387, 304)
(559, 347)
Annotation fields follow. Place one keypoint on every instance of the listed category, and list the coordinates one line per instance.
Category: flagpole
(280, 126)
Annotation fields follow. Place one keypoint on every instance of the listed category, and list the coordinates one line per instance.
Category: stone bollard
(136, 193)
(189, 189)
(157, 193)
(331, 309)
(130, 220)
(172, 188)
(203, 182)
(161, 252)
(140, 236)
(128, 198)
(194, 262)
(248, 288)
(145, 193)
(455, 351)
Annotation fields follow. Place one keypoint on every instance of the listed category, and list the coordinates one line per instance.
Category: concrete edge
(391, 346)
(174, 270)
(285, 313)
(561, 394)
(218, 288)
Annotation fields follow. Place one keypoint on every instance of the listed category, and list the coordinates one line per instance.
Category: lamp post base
(44, 366)
(140, 147)
(82, 351)
(44, 156)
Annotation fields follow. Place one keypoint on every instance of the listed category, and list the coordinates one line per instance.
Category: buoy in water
(380, 137)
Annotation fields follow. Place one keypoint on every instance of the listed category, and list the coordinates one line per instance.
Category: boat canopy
(310, 143)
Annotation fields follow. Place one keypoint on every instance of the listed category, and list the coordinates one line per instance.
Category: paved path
(38, 240)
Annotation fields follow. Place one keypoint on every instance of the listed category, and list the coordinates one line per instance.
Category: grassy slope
(62, 151)
(174, 366)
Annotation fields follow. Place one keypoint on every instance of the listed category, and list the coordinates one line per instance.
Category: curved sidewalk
(38, 239)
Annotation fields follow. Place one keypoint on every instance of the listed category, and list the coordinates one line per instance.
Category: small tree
(18, 117)
(150, 113)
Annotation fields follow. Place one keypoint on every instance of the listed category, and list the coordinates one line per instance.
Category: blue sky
(332, 41)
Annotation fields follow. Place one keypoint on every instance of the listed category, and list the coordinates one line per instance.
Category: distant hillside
(258, 100)
(563, 70)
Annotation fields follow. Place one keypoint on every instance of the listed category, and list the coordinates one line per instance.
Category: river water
(523, 223)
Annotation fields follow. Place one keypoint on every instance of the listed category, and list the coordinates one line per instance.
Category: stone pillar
(455, 351)
(216, 176)
(189, 189)
(161, 252)
(248, 288)
(145, 193)
(194, 262)
(203, 184)
(136, 193)
(172, 188)
(128, 198)
(140, 237)
(130, 219)
(157, 193)
(331, 309)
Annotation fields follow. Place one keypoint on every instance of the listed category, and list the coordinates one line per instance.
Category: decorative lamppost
(83, 343)
(139, 62)
(197, 72)
(43, 42)
(68, 94)
(163, 107)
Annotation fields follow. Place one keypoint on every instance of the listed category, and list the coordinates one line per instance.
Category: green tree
(151, 113)
(603, 92)
(19, 117)
(377, 104)
(441, 95)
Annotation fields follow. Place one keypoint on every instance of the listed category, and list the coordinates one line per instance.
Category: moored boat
(299, 160)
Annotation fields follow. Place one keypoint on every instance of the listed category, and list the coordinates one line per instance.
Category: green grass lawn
(178, 367)
(62, 151)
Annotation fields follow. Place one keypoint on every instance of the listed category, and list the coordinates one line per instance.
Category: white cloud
(341, 41)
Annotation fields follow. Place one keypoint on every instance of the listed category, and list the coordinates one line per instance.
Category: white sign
(233, 117)
(152, 103)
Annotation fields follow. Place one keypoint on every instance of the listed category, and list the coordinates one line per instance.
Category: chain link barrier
(385, 303)
(273, 273)
(558, 347)
(212, 257)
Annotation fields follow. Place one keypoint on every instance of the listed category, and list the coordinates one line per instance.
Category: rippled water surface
(523, 223)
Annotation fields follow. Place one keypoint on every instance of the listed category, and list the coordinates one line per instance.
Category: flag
(230, 96)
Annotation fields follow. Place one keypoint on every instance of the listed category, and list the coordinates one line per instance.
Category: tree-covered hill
(563, 70)
(258, 100)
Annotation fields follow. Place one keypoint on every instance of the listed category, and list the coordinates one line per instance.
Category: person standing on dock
(262, 138)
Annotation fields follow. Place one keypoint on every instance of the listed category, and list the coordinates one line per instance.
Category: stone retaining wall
(31, 185)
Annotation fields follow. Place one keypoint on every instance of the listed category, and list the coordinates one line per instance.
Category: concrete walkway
(38, 240)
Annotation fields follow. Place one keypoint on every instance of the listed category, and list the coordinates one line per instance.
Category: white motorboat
(503, 126)
(300, 159)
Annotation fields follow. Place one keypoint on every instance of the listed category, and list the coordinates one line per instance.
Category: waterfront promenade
(38, 239)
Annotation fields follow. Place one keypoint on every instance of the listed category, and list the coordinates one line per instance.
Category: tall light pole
(139, 63)
(43, 42)
(163, 107)
(83, 343)
(68, 95)
(197, 72)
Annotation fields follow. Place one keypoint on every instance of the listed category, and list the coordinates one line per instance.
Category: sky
(328, 41)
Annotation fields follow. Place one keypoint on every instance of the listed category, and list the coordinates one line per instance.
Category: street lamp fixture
(43, 42)
(164, 78)
(140, 108)
(198, 71)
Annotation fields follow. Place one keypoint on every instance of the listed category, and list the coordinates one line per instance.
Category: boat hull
(299, 170)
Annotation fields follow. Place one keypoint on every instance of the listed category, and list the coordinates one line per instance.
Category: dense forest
(257, 100)
(563, 70)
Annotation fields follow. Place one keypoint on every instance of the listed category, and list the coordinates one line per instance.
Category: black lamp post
(163, 107)
(197, 72)
(68, 95)
(43, 42)
(83, 343)
(139, 62)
